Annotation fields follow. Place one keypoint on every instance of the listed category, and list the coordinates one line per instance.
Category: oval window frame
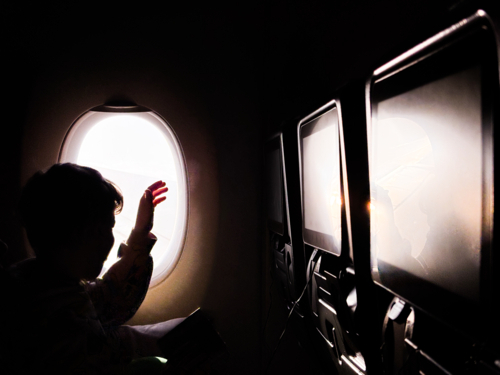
(72, 143)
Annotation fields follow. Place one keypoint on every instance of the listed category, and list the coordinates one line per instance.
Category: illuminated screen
(321, 194)
(426, 182)
(274, 183)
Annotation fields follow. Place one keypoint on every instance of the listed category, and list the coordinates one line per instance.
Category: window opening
(134, 148)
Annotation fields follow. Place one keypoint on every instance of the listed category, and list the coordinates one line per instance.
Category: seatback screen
(321, 193)
(426, 163)
(274, 186)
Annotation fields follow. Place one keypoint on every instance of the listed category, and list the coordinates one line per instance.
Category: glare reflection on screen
(133, 154)
(426, 182)
(321, 177)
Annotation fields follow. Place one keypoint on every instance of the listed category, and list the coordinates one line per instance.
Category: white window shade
(133, 149)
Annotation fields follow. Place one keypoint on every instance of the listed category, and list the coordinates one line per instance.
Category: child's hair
(58, 204)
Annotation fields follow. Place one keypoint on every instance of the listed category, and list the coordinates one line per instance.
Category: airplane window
(133, 150)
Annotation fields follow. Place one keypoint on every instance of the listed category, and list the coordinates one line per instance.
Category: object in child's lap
(192, 344)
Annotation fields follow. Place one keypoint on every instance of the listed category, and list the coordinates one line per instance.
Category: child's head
(68, 212)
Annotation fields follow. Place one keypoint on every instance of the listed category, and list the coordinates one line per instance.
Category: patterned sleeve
(118, 295)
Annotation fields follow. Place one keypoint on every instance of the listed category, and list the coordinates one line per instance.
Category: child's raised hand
(149, 200)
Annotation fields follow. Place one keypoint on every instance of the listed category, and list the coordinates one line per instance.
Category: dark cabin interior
(227, 77)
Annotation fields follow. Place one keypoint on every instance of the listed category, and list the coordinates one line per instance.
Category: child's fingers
(159, 191)
(156, 185)
(158, 200)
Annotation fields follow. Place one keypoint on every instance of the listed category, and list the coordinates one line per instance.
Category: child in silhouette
(62, 319)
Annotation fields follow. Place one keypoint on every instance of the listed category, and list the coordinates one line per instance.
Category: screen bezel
(322, 241)
(444, 53)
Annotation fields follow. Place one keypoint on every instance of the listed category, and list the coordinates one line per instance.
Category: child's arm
(119, 294)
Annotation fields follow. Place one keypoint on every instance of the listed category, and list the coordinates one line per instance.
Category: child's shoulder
(48, 292)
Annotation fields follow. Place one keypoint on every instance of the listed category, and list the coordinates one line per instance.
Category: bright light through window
(133, 150)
